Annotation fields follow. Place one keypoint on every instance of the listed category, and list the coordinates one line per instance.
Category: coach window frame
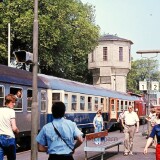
(96, 103)
(29, 99)
(2, 95)
(44, 100)
(13, 90)
(89, 103)
(66, 101)
(82, 102)
(74, 102)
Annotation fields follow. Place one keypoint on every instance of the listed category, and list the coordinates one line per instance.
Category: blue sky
(136, 20)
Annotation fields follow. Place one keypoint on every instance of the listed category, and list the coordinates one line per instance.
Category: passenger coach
(82, 101)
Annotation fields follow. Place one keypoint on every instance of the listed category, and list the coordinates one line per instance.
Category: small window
(120, 53)
(96, 104)
(126, 105)
(92, 57)
(117, 105)
(18, 92)
(89, 103)
(82, 103)
(66, 101)
(2, 95)
(105, 54)
(102, 104)
(112, 105)
(43, 100)
(122, 105)
(29, 99)
(55, 97)
(74, 103)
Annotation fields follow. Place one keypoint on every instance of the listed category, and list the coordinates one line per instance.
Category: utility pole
(34, 110)
(149, 78)
(9, 45)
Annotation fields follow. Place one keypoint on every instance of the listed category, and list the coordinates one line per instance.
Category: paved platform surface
(111, 154)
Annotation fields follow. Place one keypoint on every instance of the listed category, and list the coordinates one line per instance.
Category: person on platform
(98, 125)
(130, 127)
(57, 138)
(8, 128)
(120, 121)
(155, 132)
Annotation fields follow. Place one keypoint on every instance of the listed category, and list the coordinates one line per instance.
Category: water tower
(110, 62)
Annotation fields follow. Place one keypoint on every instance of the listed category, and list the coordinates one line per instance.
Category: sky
(135, 20)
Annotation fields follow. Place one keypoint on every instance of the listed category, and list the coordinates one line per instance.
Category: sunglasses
(129, 108)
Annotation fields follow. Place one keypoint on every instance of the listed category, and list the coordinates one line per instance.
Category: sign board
(142, 85)
(155, 86)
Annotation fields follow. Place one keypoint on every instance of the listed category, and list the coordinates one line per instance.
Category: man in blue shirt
(61, 145)
(155, 132)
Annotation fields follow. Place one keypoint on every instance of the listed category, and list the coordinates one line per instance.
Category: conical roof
(109, 37)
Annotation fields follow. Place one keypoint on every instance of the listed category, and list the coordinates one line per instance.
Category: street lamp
(149, 81)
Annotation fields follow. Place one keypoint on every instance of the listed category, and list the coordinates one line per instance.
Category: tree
(67, 33)
(140, 70)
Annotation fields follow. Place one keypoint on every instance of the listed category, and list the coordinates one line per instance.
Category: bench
(99, 148)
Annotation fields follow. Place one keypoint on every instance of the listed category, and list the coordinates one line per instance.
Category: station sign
(143, 85)
(155, 86)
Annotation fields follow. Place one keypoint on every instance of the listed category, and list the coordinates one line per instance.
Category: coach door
(113, 109)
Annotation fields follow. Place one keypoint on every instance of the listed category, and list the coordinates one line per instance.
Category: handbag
(57, 132)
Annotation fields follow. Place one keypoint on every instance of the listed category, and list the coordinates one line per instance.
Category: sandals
(125, 154)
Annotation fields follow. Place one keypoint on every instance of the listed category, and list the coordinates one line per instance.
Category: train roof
(18, 76)
(77, 87)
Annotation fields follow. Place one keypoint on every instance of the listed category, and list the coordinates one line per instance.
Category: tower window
(120, 53)
(129, 55)
(105, 55)
(92, 57)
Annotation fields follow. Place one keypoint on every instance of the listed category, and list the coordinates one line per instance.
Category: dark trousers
(120, 126)
(60, 157)
(7, 147)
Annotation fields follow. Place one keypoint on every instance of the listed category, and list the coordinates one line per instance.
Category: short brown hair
(10, 98)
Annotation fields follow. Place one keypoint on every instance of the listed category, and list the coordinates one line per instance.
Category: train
(81, 100)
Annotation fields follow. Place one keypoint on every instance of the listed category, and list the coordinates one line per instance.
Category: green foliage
(140, 70)
(67, 33)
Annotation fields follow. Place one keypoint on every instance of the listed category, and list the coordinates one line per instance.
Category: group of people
(61, 137)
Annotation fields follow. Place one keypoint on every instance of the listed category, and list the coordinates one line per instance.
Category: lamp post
(34, 113)
(149, 77)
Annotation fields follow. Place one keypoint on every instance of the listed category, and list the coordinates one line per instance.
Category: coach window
(66, 101)
(29, 99)
(89, 103)
(74, 103)
(112, 105)
(96, 103)
(82, 103)
(117, 105)
(122, 106)
(102, 104)
(126, 105)
(18, 92)
(55, 97)
(43, 100)
(1, 95)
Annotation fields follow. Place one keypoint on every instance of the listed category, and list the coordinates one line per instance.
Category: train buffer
(101, 147)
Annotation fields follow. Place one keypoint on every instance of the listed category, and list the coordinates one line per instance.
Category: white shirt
(6, 114)
(130, 118)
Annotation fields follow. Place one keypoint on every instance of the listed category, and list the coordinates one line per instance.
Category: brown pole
(34, 110)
